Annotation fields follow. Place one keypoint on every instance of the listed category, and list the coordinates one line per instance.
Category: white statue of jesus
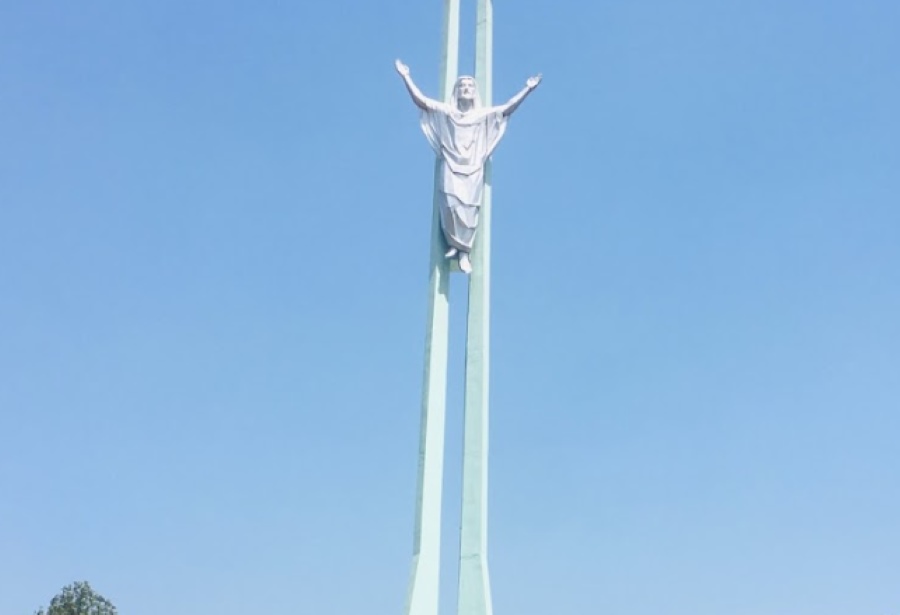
(463, 134)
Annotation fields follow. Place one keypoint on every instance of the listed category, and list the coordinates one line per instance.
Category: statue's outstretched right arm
(421, 101)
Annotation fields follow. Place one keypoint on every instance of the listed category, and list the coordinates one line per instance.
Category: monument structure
(463, 128)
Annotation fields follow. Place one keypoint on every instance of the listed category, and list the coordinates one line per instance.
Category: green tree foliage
(79, 599)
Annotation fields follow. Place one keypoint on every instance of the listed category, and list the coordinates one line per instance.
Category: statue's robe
(465, 142)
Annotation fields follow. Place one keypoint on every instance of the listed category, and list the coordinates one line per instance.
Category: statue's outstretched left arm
(516, 100)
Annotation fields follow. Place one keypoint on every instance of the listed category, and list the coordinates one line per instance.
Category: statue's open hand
(533, 82)
(402, 68)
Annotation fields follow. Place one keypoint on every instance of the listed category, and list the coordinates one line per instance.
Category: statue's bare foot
(451, 253)
(465, 265)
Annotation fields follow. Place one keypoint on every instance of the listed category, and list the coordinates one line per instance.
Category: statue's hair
(454, 97)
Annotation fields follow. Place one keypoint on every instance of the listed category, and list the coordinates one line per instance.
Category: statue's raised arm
(422, 101)
(517, 100)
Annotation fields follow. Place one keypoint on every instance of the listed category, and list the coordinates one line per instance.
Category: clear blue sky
(214, 223)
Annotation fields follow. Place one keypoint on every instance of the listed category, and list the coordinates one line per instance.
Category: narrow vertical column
(423, 595)
(474, 581)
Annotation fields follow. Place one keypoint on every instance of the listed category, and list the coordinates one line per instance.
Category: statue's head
(465, 93)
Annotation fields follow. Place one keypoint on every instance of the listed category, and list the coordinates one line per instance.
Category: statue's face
(466, 89)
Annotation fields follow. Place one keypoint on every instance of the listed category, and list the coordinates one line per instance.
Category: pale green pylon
(474, 580)
(424, 583)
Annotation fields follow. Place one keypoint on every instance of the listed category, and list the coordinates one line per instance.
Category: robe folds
(464, 142)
